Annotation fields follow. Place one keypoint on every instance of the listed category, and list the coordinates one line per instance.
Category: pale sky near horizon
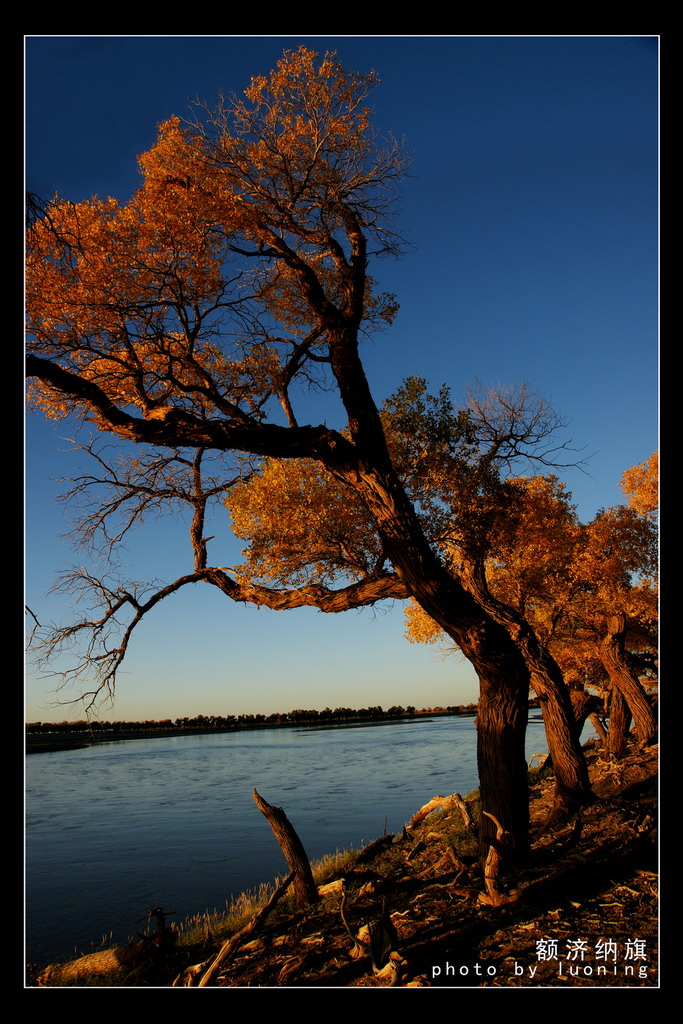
(532, 212)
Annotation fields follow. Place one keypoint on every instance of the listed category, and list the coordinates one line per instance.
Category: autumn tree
(190, 319)
(619, 608)
(589, 590)
(474, 499)
(606, 629)
(597, 606)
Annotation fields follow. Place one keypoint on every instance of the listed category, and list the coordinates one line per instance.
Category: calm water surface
(121, 827)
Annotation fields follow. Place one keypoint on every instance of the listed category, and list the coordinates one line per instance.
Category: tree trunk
(623, 680)
(599, 728)
(619, 723)
(305, 889)
(501, 716)
(503, 675)
(501, 722)
(501, 760)
(572, 783)
(584, 705)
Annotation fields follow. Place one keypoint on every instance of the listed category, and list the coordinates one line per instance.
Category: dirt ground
(582, 912)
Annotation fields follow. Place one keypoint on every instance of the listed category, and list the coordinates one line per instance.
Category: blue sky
(532, 212)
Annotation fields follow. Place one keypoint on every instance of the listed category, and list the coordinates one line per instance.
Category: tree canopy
(226, 277)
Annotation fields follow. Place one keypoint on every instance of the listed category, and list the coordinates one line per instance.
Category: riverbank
(582, 912)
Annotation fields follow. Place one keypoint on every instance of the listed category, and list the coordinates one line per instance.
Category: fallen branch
(378, 939)
(97, 965)
(442, 802)
(464, 811)
(449, 857)
(231, 945)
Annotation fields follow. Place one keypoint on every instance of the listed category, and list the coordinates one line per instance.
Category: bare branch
(126, 489)
(514, 424)
(35, 627)
(102, 640)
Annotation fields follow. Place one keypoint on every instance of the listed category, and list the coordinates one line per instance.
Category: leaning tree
(189, 319)
(302, 526)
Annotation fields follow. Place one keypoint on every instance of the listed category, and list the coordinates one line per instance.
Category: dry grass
(219, 925)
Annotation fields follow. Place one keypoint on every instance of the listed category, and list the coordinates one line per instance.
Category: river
(115, 829)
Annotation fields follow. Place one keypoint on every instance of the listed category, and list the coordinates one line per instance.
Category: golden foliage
(640, 484)
(221, 278)
(420, 627)
(534, 542)
(566, 577)
(302, 526)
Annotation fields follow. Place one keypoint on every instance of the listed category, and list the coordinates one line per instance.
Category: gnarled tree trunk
(501, 761)
(625, 682)
(572, 784)
(619, 723)
(563, 733)
(584, 705)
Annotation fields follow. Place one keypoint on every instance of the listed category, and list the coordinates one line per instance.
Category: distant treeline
(220, 723)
